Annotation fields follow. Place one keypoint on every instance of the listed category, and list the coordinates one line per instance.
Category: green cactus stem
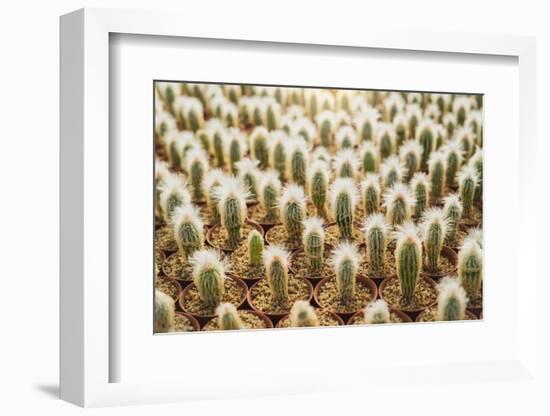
(453, 213)
(398, 202)
(326, 122)
(386, 140)
(318, 182)
(408, 260)
(228, 317)
(453, 161)
(436, 174)
(451, 301)
(276, 266)
(270, 193)
(188, 230)
(376, 238)
(298, 162)
(377, 312)
(208, 276)
(370, 194)
(277, 150)
(392, 171)
(426, 137)
(369, 157)
(232, 197)
(346, 164)
(345, 260)
(255, 248)
(470, 268)
(343, 197)
(410, 154)
(302, 314)
(434, 229)
(197, 166)
(420, 187)
(164, 317)
(293, 212)
(259, 149)
(467, 183)
(314, 243)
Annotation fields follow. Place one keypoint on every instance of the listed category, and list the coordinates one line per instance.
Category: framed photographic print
(291, 210)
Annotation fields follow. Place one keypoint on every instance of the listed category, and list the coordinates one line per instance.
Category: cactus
(173, 194)
(236, 148)
(432, 111)
(451, 301)
(453, 161)
(302, 315)
(475, 234)
(436, 174)
(272, 115)
(188, 230)
(326, 122)
(345, 260)
(376, 238)
(470, 267)
(228, 317)
(277, 152)
(393, 104)
(453, 213)
(208, 276)
(391, 172)
(212, 180)
(232, 92)
(400, 125)
(230, 114)
(426, 137)
(192, 113)
(165, 313)
(259, 149)
(255, 248)
(474, 122)
(343, 200)
(303, 127)
(410, 154)
(276, 267)
(311, 98)
(399, 203)
(413, 115)
(314, 243)
(377, 312)
(321, 153)
(346, 137)
(293, 212)
(385, 134)
(326, 100)
(346, 164)
(161, 174)
(434, 230)
(218, 137)
(365, 123)
(231, 197)
(461, 107)
(420, 187)
(370, 194)
(408, 260)
(467, 182)
(369, 157)
(197, 165)
(476, 161)
(204, 139)
(269, 193)
(318, 184)
(297, 162)
(249, 174)
(449, 123)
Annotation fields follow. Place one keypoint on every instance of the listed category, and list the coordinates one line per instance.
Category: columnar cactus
(249, 174)
(272, 115)
(321, 153)
(436, 172)
(173, 194)
(470, 267)
(208, 276)
(434, 230)
(297, 162)
(368, 154)
(391, 171)
(188, 230)
(410, 154)
(343, 200)
(414, 116)
(345, 137)
(311, 98)
(218, 137)
(231, 197)
(377, 312)
(161, 174)
(408, 259)
(461, 107)
(420, 187)
(232, 92)
(376, 238)
(453, 213)
(453, 161)
(255, 248)
(228, 317)
(278, 152)
(193, 113)
(370, 194)
(399, 203)
(276, 267)
(259, 146)
(303, 127)
(450, 123)
(212, 180)
(426, 137)
(314, 243)
(326, 123)
(302, 314)
(474, 122)
(345, 260)
(318, 186)
(476, 161)
(230, 114)
(197, 166)
(465, 137)
(400, 125)
(393, 104)
(236, 148)
(451, 301)
(365, 123)
(165, 313)
(346, 164)
(385, 139)
(269, 194)
(467, 183)
(293, 212)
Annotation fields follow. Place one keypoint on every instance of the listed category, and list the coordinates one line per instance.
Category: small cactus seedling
(465, 137)
(297, 162)
(326, 121)
(420, 187)
(426, 137)
(318, 186)
(370, 194)
(312, 105)
(467, 183)
(193, 113)
(451, 301)
(477, 162)
(449, 123)
(321, 153)
(376, 236)
(385, 134)
(470, 267)
(230, 114)
(346, 137)
(188, 230)
(208, 276)
(272, 115)
(278, 152)
(212, 179)
(314, 243)
(400, 125)
(326, 100)
(414, 115)
(255, 248)
(365, 123)
(228, 317)
(270, 192)
(474, 122)
(232, 92)
(461, 108)
(346, 164)
(345, 260)
(218, 136)
(249, 174)
(442, 101)
(408, 259)
(302, 314)
(293, 212)
(303, 127)
(391, 171)
(259, 140)
(231, 197)
(173, 194)
(399, 203)
(436, 174)
(475, 234)
(453, 213)
(165, 313)
(343, 200)
(276, 267)
(410, 154)
(236, 148)
(453, 161)
(432, 111)
(377, 312)
(161, 174)
(197, 165)
(434, 230)
(368, 154)
(393, 104)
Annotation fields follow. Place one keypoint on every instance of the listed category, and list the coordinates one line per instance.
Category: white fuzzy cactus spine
(228, 317)
(165, 313)
(173, 194)
(231, 196)
(399, 203)
(249, 175)
(345, 137)
(188, 230)
(345, 164)
(343, 201)
(208, 276)
(434, 230)
(391, 171)
(451, 301)
(345, 260)
(213, 179)
(410, 154)
(314, 243)
(377, 312)
(292, 212)
(270, 194)
(302, 315)
(276, 267)
(365, 123)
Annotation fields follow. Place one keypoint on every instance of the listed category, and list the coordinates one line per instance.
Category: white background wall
(29, 84)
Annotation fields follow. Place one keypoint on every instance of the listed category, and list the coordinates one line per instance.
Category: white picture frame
(87, 356)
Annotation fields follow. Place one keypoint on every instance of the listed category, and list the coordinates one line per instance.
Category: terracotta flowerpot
(411, 312)
(194, 322)
(403, 316)
(164, 280)
(213, 229)
(312, 277)
(262, 316)
(451, 255)
(334, 315)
